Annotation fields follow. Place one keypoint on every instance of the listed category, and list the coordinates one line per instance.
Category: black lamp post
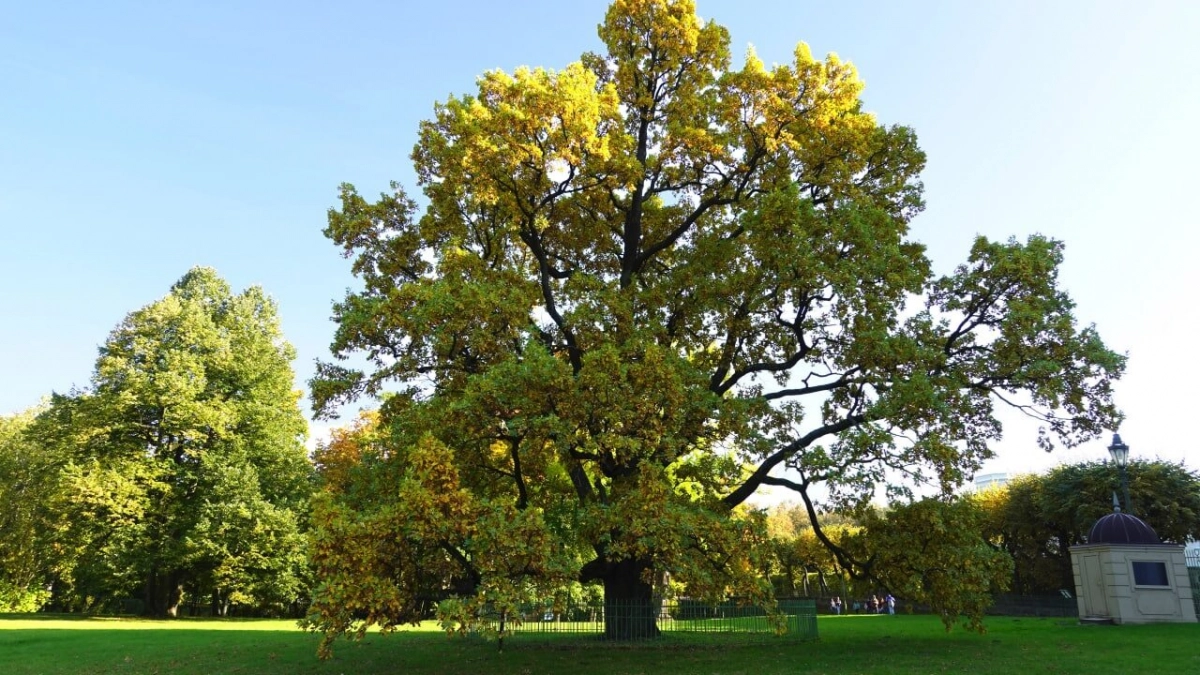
(1120, 456)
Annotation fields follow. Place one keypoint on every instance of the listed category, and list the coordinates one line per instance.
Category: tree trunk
(153, 604)
(174, 597)
(163, 594)
(173, 593)
(629, 609)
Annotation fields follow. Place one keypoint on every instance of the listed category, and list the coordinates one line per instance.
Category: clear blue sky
(140, 139)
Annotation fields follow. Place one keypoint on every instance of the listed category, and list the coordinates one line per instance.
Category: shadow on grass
(83, 622)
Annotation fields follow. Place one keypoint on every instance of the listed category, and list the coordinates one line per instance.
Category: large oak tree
(644, 286)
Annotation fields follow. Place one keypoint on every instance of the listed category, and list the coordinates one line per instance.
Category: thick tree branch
(533, 241)
(631, 235)
(514, 445)
(764, 366)
(756, 479)
(813, 389)
(462, 560)
(583, 484)
(856, 569)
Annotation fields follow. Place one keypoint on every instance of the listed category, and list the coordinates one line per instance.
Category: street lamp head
(1119, 451)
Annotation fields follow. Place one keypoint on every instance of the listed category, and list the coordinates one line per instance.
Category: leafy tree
(28, 483)
(400, 542)
(1037, 518)
(643, 286)
(188, 469)
(1014, 524)
(350, 451)
(954, 571)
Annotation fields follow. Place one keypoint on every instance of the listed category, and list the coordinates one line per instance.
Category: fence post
(1192, 559)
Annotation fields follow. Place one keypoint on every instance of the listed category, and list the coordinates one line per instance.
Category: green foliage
(1037, 518)
(186, 466)
(933, 552)
(641, 263)
(28, 484)
(799, 563)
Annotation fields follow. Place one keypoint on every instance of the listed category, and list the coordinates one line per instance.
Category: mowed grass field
(850, 644)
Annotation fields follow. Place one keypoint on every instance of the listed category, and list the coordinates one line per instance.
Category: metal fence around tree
(661, 622)
(1193, 564)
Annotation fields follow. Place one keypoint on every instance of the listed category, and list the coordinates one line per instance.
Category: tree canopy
(184, 467)
(28, 485)
(644, 286)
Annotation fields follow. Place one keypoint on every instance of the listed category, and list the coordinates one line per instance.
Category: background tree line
(179, 473)
(1032, 521)
(1035, 519)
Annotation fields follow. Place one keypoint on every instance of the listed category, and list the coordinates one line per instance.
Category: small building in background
(984, 481)
(1125, 574)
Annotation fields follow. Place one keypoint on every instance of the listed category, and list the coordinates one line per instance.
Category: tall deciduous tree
(648, 284)
(188, 467)
(29, 476)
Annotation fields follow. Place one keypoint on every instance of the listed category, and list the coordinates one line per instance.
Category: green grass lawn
(849, 644)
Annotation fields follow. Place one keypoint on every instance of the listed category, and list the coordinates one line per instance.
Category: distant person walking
(873, 604)
(891, 604)
(835, 605)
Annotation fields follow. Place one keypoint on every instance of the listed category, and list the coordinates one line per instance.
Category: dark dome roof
(1122, 528)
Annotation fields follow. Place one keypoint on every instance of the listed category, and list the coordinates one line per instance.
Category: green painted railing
(656, 621)
(1193, 563)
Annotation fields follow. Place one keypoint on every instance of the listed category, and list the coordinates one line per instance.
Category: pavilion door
(1095, 599)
